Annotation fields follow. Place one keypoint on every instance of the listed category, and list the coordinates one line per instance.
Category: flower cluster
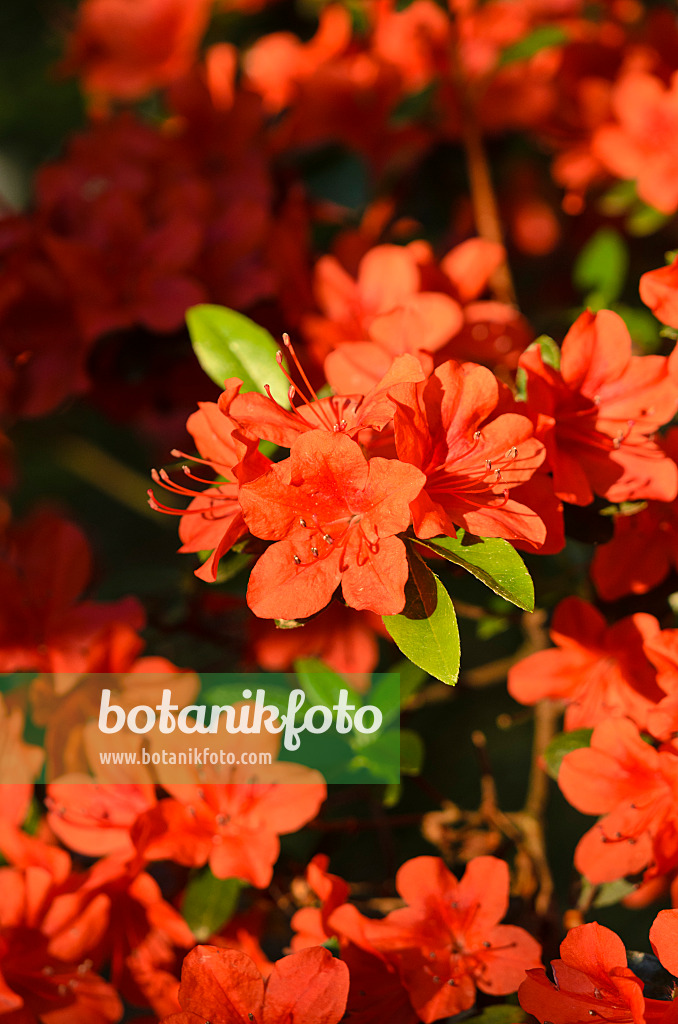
(463, 469)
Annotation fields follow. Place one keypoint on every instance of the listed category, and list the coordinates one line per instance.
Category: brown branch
(483, 197)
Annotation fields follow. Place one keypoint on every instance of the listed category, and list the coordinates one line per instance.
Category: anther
(488, 464)
(314, 552)
(512, 453)
(477, 435)
(297, 560)
(327, 538)
(497, 474)
(302, 522)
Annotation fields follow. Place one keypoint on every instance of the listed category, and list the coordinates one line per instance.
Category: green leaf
(562, 744)
(222, 694)
(228, 344)
(610, 893)
(392, 794)
(545, 35)
(550, 354)
(624, 508)
(601, 268)
(426, 630)
(412, 678)
(411, 752)
(642, 325)
(232, 564)
(645, 220)
(502, 1014)
(321, 684)
(386, 694)
(380, 757)
(493, 561)
(209, 903)
(619, 199)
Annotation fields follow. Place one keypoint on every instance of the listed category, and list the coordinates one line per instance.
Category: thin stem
(483, 197)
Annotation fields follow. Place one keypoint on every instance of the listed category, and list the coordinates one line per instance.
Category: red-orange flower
(213, 521)
(659, 290)
(123, 49)
(448, 941)
(461, 428)
(597, 414)
(633, 786)
(225, 987)
(235, 825)
(592, 981)
(335, 517)
(642, 144)
(381, 314)
(599, 670)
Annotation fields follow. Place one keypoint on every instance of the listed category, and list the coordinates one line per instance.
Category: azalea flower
(598, 413)
(659, 290)
(213, 521)
(462, 429)
(224, 986)
(448, 942)
(632, 785)
(124, 49)
(598, 670)
(335, 517)
(592, 982)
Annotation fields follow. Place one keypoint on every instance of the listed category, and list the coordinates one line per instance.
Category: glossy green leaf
(562, 744)
(209, 903)
(426, 630)
(228, 344)
(493, 561)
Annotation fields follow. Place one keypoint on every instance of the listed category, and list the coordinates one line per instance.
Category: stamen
(297, 560)
(314, 552)
(327, 539)
(211, 463)
(318, 411)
